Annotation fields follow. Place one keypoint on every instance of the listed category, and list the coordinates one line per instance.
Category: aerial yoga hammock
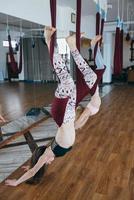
(81, 93)
(58, 109)
(121, 36)
(65, 95)
(15, 67)
(118, 52)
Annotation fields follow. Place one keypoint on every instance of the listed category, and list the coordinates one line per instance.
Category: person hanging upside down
(64, 102)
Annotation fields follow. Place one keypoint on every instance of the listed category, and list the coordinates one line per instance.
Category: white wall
(88, 24)
(33, 10)
(64, 24)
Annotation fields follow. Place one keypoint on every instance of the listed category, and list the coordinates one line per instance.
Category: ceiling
(88, 8)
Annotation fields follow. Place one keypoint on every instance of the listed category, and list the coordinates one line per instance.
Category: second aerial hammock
(53, 22)
(118, 52)
(98, 18)
(13, 64)
(117, 61)
(121, 36)
(82, 88)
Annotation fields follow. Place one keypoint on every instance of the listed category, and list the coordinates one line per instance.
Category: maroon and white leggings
(66, 87)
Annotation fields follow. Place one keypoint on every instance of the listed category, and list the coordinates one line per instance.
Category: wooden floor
(101, 164)
(17, 98)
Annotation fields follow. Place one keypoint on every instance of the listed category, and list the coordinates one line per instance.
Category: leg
(91, 109)
(90, 78)
(94, 105)
(89, 75)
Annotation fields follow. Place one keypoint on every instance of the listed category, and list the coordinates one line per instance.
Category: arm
(2, 119)
(31, 172)
(47, 157)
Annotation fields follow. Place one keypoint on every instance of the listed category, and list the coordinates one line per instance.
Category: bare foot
(48, 32)
(11, 182)
(95, 40)
(71, 40)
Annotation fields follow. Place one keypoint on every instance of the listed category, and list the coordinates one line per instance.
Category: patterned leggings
(66, 87)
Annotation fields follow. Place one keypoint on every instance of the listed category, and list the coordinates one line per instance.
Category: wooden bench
(25, 131)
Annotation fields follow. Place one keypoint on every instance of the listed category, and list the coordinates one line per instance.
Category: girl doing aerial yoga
(66, 89)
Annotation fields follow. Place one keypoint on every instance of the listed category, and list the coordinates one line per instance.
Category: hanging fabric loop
(81, 86)
(103, 17)
(121, 36)
(118, 52)
(13, 64)
(78, 32)
(53, 22)
(98, 17)
(78, 24)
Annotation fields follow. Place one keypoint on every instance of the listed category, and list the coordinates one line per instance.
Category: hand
(11, 182)
(49, 155)
(2, 119)
(49, 161)
(25, 167)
